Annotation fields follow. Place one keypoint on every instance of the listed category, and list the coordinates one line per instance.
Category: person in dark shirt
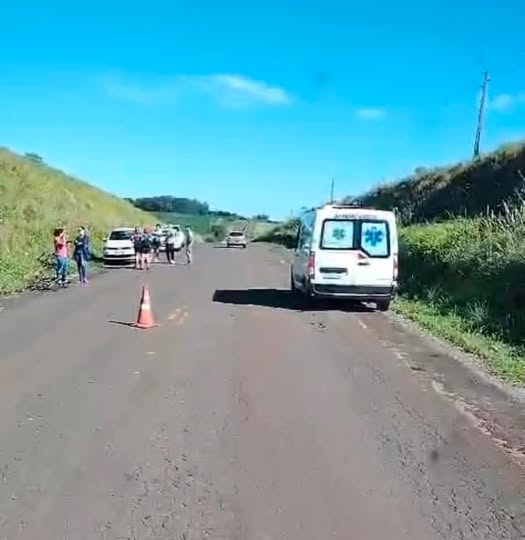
(146, 249)
(156, 242)
(137, 245)
(170, 246)
(81, 254)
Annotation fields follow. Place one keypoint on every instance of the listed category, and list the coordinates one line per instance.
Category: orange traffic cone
(145, 316)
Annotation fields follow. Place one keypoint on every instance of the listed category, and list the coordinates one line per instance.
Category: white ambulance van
(347, 252)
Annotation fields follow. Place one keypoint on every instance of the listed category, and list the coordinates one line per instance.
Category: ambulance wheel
(383, 305)
(293, 286)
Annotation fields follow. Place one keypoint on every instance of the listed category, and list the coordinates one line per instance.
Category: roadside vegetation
(284, 234)
(463, 279)
(34, 200)
(463, 255)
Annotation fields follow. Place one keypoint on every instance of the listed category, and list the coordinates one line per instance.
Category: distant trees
(261, 217)
(180, 205)
(223, 214)
(35, 158)
(170, 204)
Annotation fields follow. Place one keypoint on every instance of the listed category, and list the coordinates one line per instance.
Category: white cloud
(506, 102)
(370, 113)
(227, 89)
(239, 87)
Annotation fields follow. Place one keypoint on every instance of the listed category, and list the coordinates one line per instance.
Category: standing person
(156, 242)
(146, 248)
(170, 246)
(137, 246)
(189, 245)
(81, 254)
(61, 256)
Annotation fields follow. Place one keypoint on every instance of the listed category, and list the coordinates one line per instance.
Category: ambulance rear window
(374, 238)
(371, 236)
(338, 234)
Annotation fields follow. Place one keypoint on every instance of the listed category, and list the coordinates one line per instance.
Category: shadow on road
(122, 323)
(284, 299)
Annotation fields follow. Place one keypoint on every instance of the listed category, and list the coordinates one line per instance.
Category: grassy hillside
(465, 189)
(34, 199)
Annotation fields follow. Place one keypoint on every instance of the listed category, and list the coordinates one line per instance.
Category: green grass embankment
(464, 280)
(34, 200)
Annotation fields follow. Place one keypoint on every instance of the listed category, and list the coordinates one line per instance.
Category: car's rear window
(236, 234)
(120, 235)
(370, 236)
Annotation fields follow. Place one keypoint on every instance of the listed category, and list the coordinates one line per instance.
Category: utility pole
(332, 192)
(481, 113)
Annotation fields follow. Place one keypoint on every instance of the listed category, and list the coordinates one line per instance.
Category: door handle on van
(363, 263)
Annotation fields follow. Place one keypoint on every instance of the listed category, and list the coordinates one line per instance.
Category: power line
(481, 113)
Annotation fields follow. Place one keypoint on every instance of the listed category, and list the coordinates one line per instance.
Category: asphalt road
(243, 417)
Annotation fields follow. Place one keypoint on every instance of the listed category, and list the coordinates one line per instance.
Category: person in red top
(61, 256)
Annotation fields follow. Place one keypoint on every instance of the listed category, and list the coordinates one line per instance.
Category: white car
(236, 238)
(118, 247)
(347, 253)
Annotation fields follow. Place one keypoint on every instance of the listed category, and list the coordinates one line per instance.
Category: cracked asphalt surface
(243, 417)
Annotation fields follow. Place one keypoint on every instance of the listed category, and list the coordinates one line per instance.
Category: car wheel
(383, 305)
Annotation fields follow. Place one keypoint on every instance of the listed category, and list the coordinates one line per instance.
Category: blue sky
(254, 106)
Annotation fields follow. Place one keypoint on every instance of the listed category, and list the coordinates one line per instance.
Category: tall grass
(473, 270)
(34, 199)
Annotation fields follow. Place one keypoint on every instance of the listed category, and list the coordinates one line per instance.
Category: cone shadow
(122, 323)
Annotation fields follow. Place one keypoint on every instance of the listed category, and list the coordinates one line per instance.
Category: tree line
(182, 205)
(170, 204)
